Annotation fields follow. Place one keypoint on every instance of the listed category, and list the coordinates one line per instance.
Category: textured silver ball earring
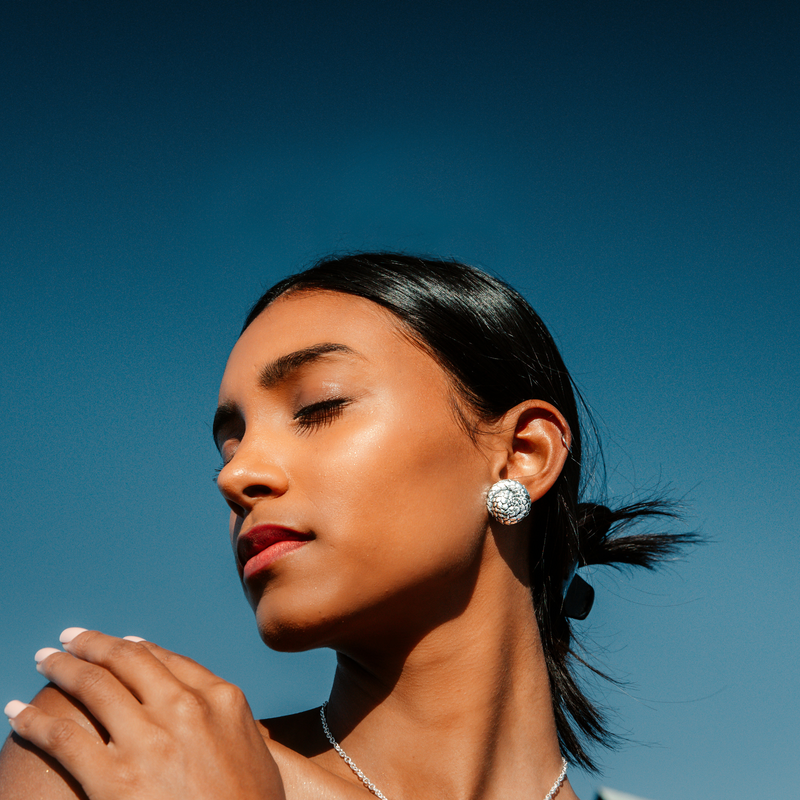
(508, 502)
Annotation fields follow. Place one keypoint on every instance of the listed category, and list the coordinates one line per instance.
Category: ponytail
(602, 540)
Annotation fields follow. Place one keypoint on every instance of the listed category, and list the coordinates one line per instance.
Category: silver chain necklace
(374, 789)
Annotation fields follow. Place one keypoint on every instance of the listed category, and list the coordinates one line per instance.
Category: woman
(401, 456)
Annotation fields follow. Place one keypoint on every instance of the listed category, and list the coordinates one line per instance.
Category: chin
(290, 634)
(287, 639)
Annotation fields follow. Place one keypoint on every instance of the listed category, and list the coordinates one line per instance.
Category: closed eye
(318, 415)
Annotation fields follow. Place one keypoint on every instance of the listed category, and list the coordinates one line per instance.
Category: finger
(131, 663)
(111, 703)
(183, 668)
(64, 739)
(152, 673)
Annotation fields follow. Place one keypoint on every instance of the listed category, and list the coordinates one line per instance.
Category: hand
(175, 730)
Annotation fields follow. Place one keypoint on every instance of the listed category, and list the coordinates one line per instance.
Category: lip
(263, 544)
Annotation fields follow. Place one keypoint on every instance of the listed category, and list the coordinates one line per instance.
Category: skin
(441, 688)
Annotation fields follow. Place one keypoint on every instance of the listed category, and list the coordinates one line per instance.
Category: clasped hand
(174, 730)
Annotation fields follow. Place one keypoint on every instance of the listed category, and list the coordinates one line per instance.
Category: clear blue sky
(633, 168)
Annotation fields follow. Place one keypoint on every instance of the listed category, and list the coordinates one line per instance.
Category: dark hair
(499, 353)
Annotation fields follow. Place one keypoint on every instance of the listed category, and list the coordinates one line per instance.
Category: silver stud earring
(508, 502)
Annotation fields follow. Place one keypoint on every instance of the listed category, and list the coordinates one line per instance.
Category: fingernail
(42, 654)
(134, 639)
(69, 634)
(13, 708)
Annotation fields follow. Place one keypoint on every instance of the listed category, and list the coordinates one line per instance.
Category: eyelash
(318, 415)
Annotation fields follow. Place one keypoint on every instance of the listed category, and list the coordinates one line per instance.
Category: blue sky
(632, 168)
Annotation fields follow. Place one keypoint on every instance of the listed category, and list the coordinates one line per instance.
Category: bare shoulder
(308, 766)
(300, 732)
(26, 772)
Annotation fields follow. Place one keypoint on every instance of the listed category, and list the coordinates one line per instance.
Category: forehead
(305, 319)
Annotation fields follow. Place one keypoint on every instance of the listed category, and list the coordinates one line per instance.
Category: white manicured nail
(69, 634)
(42, 654)
(13, 708)
(134, 639)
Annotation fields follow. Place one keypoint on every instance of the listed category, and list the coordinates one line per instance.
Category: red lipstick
(263, 544)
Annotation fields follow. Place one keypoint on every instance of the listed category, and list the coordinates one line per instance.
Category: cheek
(406, 494)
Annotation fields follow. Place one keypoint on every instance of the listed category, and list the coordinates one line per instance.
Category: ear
(534, 441)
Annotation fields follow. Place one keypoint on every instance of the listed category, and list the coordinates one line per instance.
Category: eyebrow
(278, 371)
(282, 368)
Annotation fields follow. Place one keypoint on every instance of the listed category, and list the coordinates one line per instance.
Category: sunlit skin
(334, 423)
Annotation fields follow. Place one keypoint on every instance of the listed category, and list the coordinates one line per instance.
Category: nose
(250, 476)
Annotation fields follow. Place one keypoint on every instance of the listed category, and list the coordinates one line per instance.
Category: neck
(464, 714)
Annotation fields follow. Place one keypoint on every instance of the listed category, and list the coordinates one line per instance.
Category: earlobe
(537, 443)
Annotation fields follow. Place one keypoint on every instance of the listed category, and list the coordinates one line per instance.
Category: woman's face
(357, 498)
